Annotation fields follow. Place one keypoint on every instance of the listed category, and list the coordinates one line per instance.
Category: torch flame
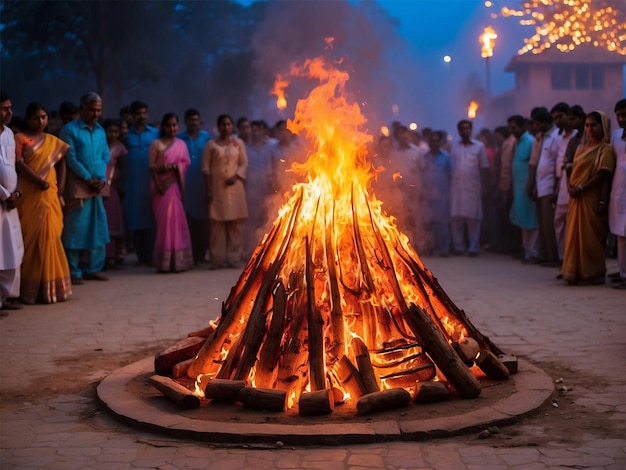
(471, 109)
(488, 41)
(279, 92)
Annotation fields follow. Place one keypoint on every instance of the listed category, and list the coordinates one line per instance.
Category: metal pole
(488, 76)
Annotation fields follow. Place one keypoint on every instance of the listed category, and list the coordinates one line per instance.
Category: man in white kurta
(617, 202)
(469, 159)
(11, 243)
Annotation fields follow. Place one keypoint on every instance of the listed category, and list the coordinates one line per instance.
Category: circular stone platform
(127, 394)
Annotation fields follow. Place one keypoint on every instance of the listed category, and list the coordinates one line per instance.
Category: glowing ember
(324, 297)
(471, 109)
(488, 41)
(570, 23)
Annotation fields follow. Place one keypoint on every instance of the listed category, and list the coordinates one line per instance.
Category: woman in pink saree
(169, 160)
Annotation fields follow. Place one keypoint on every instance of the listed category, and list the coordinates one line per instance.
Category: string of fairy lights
(567, 24)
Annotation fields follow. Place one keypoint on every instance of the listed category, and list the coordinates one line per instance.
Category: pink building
(589, 76)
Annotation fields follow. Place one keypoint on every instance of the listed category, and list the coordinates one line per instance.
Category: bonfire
(335, 306)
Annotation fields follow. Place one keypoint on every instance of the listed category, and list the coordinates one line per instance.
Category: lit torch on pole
(488, 41)
(279, 92)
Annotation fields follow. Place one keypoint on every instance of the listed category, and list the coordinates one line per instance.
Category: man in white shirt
(469, 165)
(617, 202)
(11, 242)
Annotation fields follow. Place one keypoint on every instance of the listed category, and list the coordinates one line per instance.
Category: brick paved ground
(52, 356)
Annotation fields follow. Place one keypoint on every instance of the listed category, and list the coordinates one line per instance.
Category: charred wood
(319, 402)
(429, 392)
(262, 399)
(491, 366)
(383, 401)
(180, 395)
(223, 390)
(442, 354)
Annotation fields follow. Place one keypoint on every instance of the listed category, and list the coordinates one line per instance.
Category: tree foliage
(127, 49)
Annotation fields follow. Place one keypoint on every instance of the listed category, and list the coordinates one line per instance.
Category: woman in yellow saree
(41, 167)
(587, 216)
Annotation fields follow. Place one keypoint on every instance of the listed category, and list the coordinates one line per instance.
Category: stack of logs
(359, 380)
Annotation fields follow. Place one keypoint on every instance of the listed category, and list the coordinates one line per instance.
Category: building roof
(581, 55)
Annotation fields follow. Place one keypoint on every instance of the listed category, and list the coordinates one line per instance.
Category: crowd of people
(545, 189)
(76, 198)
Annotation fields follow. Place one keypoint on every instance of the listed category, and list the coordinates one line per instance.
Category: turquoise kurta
(86, 227)
(137, 179)
(522, 213)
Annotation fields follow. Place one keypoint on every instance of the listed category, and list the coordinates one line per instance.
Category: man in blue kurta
(195, 202)
(85, 224)
(140, 218)
(523, 212)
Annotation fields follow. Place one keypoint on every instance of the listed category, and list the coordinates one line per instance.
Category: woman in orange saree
(41, 167)
(587, 216)
(169, 160)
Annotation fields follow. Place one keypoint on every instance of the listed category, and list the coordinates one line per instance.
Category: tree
(96, 37)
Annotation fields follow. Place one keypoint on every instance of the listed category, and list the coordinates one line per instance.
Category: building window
(561, 77)
(581, 77)
(597, 77)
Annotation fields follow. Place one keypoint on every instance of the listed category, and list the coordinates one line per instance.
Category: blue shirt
(88, 154)
(438, 171)
(137, 182)
(195, 202)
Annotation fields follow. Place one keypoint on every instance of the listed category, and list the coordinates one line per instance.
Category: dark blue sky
(426, 89)
(436, 28)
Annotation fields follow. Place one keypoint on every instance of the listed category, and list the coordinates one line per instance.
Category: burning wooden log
(467, 349)
(349, 377)
(382, 401)
(317, 372)
(491, 366)
(293, 365)
(438, 348)
(181, 351)
(266, 368)
(180, 369)
(179, 394)
(336, 315)
(222, 389)
(429, 392)
(263, 398)
(243, 295)
(364, 364)
(319, 402)
(409, 377)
